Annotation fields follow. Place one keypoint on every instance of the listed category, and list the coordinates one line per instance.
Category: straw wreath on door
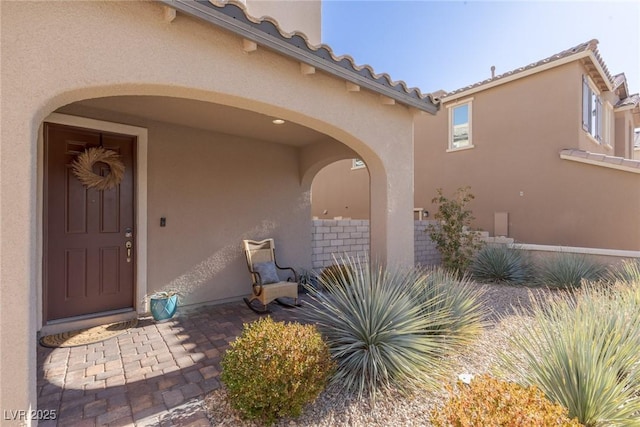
(83, 168)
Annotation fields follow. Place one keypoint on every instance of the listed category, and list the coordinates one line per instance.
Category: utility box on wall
(501, 224)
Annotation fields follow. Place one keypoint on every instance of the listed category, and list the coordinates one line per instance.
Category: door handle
(128, 245)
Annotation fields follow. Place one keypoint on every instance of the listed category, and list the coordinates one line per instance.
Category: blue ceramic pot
(164, 308)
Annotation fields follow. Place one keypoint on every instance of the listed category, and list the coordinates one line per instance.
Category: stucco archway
(159, 111)
(181, 131)
(341, 189)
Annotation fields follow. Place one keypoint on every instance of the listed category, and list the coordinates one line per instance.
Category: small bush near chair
(274, 369)
(582, 352)
(501, 264)
(381, 334)
(487, 401)
(567, 271)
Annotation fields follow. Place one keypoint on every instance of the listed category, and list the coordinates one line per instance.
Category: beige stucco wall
(622, 147)
(213, 191)
(301, 15)
(56, 53)
(341, 191)
(518, 131)
(624, 134)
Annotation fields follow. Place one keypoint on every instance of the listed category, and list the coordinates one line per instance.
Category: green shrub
(273, 369)
(487, 401)
(379, 333)
(452, 236)
(501, 264)
(626, 272)
(566, 270)
(582, 352)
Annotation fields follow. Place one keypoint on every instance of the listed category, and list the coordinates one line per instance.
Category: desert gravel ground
(333, 408)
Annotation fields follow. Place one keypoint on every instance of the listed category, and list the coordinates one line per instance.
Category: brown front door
(87, 267)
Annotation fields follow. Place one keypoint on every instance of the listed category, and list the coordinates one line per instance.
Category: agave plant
(582, 352)
(501, 264)
(568, 271)
(379, 332)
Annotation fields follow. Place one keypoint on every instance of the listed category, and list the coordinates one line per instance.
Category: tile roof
(620, 85)
(618, 80)
(591, 45)
(601, 160)
(629, 101)
(266, 31)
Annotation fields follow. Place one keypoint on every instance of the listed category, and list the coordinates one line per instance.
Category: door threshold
(87, 321)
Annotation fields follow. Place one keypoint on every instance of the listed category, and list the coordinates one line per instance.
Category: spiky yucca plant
(336, 274)
(567, 271)
(459, 298)
(626, 272)
(379, 333)
(582, 352)
(501, 264)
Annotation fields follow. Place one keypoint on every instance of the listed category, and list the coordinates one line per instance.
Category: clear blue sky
(451, 44)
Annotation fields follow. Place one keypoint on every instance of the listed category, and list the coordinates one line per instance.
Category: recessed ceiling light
(278, 121)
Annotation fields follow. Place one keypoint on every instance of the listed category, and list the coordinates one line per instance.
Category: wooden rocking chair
(266, 283)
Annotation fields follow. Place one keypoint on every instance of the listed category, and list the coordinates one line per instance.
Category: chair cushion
(267, 271)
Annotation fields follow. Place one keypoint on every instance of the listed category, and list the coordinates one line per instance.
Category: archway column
(388, 155)
(391, 199)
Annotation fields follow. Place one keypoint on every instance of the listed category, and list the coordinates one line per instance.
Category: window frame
(593, 111)
(451, 107)
(608, 120)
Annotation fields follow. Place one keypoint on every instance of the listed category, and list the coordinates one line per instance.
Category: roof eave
(276, 44)
(601, 70)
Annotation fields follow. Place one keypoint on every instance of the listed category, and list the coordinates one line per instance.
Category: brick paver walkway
(154, 375)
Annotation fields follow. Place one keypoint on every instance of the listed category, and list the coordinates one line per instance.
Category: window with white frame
(460, 125)
(591, 109)
(607, 124)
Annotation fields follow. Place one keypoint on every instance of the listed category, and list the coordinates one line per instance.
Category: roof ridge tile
(591, 45)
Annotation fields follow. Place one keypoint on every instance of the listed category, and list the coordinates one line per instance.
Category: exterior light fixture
(277, 121)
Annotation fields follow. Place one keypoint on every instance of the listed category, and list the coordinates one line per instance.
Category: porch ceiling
(204, 115)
